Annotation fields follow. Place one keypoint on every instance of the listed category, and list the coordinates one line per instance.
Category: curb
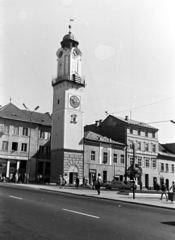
(108, 199)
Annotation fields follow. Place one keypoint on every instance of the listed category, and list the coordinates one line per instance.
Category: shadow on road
(169, 223)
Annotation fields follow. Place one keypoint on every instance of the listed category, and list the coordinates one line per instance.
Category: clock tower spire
(67, 115)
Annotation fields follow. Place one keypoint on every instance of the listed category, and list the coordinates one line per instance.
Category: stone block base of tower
(68, 164)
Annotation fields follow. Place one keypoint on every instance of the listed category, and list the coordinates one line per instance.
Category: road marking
(15, 197)
(80, 213)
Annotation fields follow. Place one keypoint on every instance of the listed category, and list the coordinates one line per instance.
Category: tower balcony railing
(72, 78)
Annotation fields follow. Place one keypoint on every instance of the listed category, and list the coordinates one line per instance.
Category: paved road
(33, 214)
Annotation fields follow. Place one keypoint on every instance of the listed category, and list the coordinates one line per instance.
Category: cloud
(22, 15)
(103, 52)
(66, 2)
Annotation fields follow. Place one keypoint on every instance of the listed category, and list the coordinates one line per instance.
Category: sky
(128, 56)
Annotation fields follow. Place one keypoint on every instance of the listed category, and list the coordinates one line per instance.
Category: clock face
(60, 54)
(74, 101)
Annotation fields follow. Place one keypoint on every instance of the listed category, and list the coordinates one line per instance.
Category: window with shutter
(6, 129)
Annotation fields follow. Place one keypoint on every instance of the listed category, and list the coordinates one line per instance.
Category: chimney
(126, 118)
(97, 123)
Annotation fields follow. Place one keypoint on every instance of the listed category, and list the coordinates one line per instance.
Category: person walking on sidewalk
(164, 191)
(140, 185)
(77, 182)
(60, 181)
(16, 177)
(98, 183)
(172, 189)
(157, 186)
(64, 183)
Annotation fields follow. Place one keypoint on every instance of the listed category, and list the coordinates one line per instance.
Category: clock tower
(67, 115)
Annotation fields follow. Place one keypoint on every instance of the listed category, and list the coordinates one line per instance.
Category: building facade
(143, 136)
(166, 164)
(103, 155)
(24, 142)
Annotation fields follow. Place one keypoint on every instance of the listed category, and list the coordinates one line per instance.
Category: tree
(133, 172)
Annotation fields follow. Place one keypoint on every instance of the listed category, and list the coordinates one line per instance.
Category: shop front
(9, 166)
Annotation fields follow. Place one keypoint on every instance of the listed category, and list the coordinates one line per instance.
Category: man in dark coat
(77, 181)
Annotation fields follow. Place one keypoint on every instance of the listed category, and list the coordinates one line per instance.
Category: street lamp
(28, 164)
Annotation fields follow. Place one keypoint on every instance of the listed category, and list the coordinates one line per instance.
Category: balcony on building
(72, 78)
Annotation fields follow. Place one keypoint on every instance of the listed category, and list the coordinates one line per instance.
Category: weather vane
(71, 20)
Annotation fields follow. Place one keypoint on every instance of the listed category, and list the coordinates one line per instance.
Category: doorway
(154, 183)
(121, 178)
(161, 182)
(92, 176)
(104, 176)
(72, 177)
(167, 183)
(147, 181)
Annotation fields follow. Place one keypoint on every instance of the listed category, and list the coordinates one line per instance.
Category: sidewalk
(147, 199)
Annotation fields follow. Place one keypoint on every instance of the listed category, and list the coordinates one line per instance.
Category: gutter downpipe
(126, 152)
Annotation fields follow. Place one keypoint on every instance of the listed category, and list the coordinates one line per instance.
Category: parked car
(118, 184)
(103, 183)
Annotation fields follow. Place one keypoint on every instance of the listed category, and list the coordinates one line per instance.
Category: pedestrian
(164, 191)
(172, 189)
(93, 181)
(25, 178)
(16, 177)
(77, 181)
(38, 178)
(64, 183)
(98, 183)
(140, 185)
(60, 181)
(84, 181)
(157, 186)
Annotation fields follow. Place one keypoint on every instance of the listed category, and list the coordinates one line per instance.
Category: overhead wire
(136, 107)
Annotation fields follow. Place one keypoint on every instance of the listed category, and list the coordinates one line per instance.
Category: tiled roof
(165, 152)
(97, 137)
(169, 147)
(10, 111)
(133, 122)
(43, 118)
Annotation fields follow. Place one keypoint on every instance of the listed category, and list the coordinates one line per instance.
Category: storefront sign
(13, 157)
(92, 170)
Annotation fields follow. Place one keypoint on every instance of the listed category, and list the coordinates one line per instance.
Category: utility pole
(133, 169)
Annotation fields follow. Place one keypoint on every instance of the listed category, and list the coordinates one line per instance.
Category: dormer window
(146, 133)
(74, 118)
(131, 130)
(138, 132)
